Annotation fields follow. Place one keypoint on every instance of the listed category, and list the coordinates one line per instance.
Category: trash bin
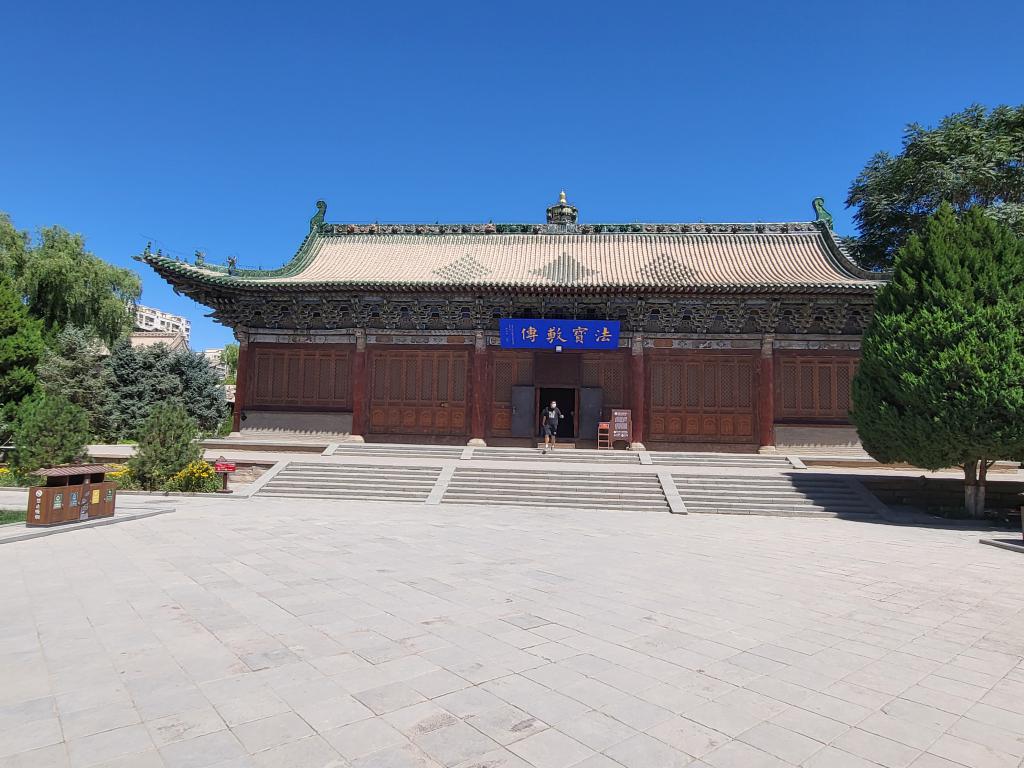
(71, 494)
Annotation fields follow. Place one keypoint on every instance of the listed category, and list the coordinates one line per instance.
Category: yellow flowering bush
(9, 479)
(196, 477)
(122, 475)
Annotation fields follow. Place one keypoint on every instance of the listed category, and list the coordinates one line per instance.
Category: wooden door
(510, 369)
(297, 377)
(591, 403)
(703, 397)
(524, 412)
(418, 392)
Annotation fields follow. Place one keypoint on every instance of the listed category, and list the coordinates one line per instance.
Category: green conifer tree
(941, 379)
(49, 430)
(21, 346)
(167, 444)
(73, 368)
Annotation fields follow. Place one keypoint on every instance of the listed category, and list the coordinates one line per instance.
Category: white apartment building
(154, 320)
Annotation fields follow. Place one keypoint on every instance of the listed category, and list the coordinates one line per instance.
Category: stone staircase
(799, 493)
(540, 488)
(352, 481)
(725, 460)
(790, 495)
(398, 450)
(579, 455)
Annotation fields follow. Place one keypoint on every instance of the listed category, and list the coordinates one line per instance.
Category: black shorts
(550, 430)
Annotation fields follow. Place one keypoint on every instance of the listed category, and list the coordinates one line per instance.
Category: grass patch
(12, 516)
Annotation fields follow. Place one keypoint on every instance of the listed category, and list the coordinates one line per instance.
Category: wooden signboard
(622, 424)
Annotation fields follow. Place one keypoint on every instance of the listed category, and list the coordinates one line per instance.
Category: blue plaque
(567, 334)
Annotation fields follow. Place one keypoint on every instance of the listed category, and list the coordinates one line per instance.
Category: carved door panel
(418, 392)
(591, 402)
(702, 397)
(524, 414)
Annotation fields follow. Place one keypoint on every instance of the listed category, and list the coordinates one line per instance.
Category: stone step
(366, 471)
(776, 512)
(328, 465)
(659, 458)
(317, 494)
(552, 473)
(499, 486)
(824, 490)
(399, 447)
(386, 488)
(353, 492)
(765, 483)
(571, 493)
(740, 501)
(567, 504)
(366, 474)
(540, 456)
(538, 477)
(397, 454)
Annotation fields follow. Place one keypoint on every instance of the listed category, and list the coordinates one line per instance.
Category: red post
(638, 387)
(766, 396)
(480, 362)
(241, 384)
(359, 387)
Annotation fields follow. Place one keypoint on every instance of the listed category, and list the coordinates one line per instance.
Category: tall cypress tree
(941, 379)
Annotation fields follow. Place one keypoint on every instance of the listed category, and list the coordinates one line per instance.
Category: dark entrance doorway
(566, 399)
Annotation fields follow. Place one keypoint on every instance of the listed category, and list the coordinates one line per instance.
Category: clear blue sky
(217, 125)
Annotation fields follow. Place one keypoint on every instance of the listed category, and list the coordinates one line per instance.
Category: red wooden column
(360, 388)
(638, 390)
(766, 396)
(241, 384)
(480, 361)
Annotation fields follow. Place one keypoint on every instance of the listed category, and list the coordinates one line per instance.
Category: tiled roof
(682, 258)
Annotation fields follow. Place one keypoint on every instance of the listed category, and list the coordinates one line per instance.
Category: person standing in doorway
(549, 420)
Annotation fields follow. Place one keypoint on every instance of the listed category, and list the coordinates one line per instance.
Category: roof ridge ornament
(820, 213)
(562, 212)
(318, 217)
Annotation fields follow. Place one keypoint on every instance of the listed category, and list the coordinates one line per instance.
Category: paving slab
(268, 631)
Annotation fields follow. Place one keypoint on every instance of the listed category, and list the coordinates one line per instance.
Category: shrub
(122, 475)
(166, 446)
(11, 479)
(48, 430)
(197, 477)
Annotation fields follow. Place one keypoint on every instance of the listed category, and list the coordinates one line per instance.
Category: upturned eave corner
(844, 262)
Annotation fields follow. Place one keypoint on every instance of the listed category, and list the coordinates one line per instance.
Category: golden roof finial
(561, 197)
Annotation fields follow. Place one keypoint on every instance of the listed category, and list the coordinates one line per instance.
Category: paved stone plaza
(298, 633)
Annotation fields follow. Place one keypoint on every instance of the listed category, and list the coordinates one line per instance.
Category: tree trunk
(975, 473)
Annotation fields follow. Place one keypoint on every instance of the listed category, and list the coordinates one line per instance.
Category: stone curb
(246, 491)
(35, 533)
(1013, 546)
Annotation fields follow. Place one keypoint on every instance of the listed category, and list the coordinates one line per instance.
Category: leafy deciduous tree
(230, 358)
(941, 378)
(13, 247)
(64, 284)
(974, 158)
